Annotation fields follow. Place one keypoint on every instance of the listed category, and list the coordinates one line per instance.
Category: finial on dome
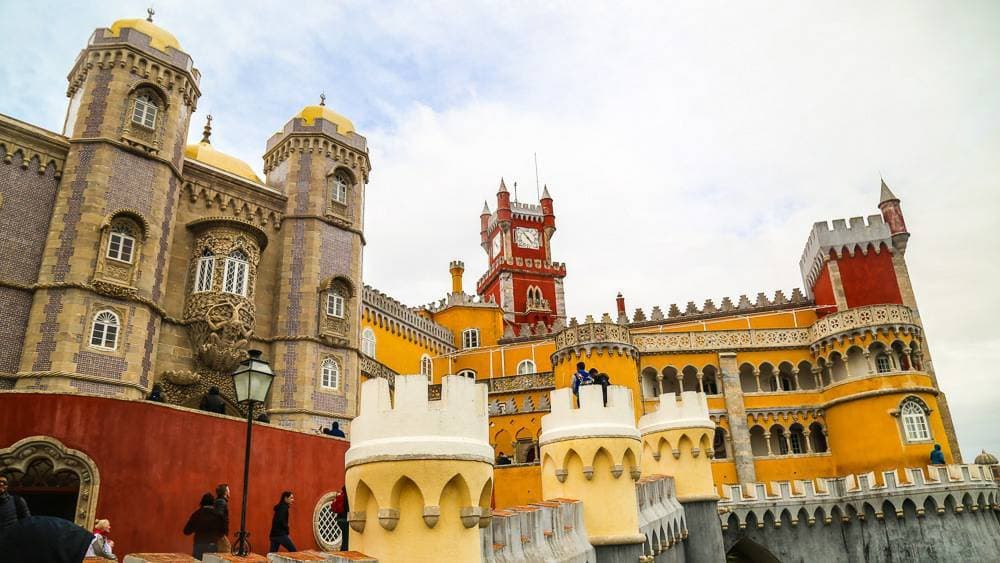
(150, 13)
(207, 132)
(322, 98)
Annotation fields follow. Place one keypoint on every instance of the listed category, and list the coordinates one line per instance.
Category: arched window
(203, 276)
(330, 374)
(914, 421)
(427, 367)
(525, 367)
(121, 243)
(719, 443)
(104, 332)
(368, 342)
(797, 439)
(335, 304)
(471, 374)
(470, 338)
(144, 112)
(235, 278)
(338, 187)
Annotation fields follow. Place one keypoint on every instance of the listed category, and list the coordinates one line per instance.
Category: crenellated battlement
(844, 236)
(592, 418)
(743, 305)
(690, 411)
(947, 487)
(375, 299)
(406, 425)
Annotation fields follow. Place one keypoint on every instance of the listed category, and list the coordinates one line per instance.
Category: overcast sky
(689, 150)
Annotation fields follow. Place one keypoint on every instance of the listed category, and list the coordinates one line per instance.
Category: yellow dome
(206, 154)
(311, 113)
(159, 38)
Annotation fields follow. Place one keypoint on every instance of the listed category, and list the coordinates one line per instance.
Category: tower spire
(322, 98)
(887, 194)
(150, 12)
(207, 132)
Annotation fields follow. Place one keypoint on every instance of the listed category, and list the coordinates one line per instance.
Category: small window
(795, 440)
(470, 338)
(335, 304)
(882, 364)
(427, 367)
(203, 276)
(235, 279)
(525, 367)
(330, 376)
(145, 112)
(915, 422)
(368, 342)
(471, 374)
(121, 243)
(104, 332)
(338, 188)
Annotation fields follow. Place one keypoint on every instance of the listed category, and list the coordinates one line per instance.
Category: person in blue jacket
(581, 377)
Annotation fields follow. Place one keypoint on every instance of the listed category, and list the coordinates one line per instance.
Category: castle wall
(152, 477)
(869, 279)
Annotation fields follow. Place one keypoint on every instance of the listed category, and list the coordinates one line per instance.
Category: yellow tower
(606, 346)
(591, 454)
(419, 473)
(677, 441)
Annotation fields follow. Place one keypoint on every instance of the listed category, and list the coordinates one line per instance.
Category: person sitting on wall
(212, 401)
(262, 417)
(580, 377)
(102, 544)
(502, 459)
(334, 430)
(604, 381)
(937, 456)
(156, 395)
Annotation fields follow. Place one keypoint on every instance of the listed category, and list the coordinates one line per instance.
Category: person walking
(279, 523)
(102, 544)
(13, 508)
(221, 507)
(207, 526)
(341, 507)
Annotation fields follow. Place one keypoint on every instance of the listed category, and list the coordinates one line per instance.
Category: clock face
(527, 238)
(497, 242)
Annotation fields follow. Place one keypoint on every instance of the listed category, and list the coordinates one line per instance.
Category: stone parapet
(661, 515)
(592, 419)
(698, 341)
(326, 557)
(375, 299)
(408, 426)
(955, 488)
(691, 411)
(551, 531)
(870, 318)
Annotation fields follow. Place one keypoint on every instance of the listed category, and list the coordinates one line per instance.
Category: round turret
(986, 458)
(159, 38)
(310, 114)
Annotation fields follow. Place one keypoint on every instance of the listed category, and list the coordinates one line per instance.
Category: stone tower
(677, 441)
(606, 346)
(320, 163)
(591, 453)
(420, 474)
(96, 315)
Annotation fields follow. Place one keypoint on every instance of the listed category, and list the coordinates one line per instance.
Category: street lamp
(252, 380)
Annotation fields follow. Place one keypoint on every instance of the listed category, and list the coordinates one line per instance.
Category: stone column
(701, 384)
(818, 377)
(767, 440)
(805, 435)
(736, 413)
(659, 384)
(869, 362)
(756, 377)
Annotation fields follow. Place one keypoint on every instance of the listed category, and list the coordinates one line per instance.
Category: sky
(689, 147)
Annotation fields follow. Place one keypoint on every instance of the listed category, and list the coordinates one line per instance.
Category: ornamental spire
(207, 132)
(322, 98)
(150, 13)
(887, 194)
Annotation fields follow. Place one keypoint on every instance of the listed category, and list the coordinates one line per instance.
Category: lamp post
(252, 380)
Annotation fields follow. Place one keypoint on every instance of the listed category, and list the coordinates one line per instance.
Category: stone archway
(57, 459)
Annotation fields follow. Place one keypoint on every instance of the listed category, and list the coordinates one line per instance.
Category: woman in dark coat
(279, 523)
(207, 526)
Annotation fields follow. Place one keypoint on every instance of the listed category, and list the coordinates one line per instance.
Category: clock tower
(521, 276)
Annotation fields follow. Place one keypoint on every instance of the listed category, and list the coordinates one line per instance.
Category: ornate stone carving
(861, 317)
(521, 382)
(18, 457)
(181, 377)
(221, 322)
(722, 340)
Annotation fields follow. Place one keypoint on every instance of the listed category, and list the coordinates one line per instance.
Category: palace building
(130, 258)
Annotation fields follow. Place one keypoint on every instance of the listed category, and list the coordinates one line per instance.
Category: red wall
(156, 461)
(826, 303)
(869, 279)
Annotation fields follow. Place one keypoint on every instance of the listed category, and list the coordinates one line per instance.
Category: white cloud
(689, 149)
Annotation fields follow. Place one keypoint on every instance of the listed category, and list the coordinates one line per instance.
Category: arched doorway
(53, 479)
(749, 551)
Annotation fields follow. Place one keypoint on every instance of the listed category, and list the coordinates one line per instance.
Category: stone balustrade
(870, 316)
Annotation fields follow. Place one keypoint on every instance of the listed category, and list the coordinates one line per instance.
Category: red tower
(521, 276)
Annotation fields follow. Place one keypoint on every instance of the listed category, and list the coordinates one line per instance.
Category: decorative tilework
(27, 198)
(131, 180)
(16, 307)
(74, 210)
(50, 327)
(335, 252)
(102, 365)
(99, 103)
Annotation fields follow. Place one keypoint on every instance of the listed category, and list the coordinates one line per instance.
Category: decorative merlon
(841, 237)
(592, 418)
(690, 411)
